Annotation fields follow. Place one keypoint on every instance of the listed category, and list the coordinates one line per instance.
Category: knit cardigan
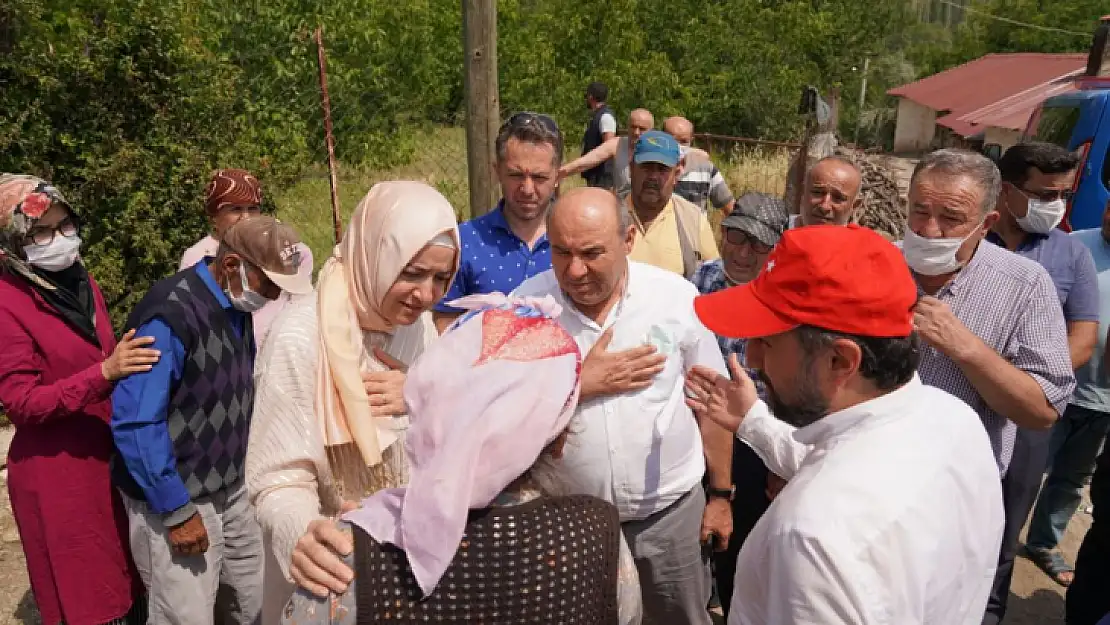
(288, 475)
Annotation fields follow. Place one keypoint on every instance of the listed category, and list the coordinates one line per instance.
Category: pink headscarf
(485, 400)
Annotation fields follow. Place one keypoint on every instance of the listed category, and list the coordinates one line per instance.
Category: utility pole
(862, 99)
(325, 103)
(483, 104)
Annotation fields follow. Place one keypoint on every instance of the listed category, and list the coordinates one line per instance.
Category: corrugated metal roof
(986, 81)
(1014, 112)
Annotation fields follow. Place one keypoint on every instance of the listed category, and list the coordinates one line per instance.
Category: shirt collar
(966, 272)
(496, 220)
(210, 282)
(840, 422)
(614, 314)
(1031, 241)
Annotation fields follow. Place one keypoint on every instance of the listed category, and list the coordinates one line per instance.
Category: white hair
(976, 167)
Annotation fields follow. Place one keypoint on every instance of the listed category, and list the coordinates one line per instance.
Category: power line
(1012, 21)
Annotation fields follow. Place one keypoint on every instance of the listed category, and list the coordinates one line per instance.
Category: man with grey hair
(507, 245)
(701, 183)
(990, 321)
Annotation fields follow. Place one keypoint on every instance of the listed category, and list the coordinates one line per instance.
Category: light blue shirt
(1092, 389)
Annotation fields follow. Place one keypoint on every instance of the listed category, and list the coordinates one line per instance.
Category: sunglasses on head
(526, 118)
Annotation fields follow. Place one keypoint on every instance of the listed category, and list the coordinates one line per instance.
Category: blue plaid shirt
(710, 277)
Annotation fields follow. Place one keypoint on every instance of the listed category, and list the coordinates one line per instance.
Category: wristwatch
(722, 493)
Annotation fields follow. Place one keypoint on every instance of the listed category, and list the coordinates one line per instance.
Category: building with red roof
(985, 101)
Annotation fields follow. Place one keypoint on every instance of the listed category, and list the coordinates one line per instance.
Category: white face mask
(932, 257)
(56, 255)
(249, 301)
(1042, 216)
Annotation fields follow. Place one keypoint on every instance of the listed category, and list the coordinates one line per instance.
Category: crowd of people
(578, 407)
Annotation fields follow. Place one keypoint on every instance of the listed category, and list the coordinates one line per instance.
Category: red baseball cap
(842, 278)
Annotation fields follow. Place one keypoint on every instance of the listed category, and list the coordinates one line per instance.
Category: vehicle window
(1056, 124)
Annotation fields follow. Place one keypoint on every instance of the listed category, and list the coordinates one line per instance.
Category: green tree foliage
(129, 104)
(985, 29)
(110, 101)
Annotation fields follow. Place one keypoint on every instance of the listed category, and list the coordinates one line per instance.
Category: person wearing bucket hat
(748, 235)
(181, 428)
(233, 195)
(58, 366)
(857, 535)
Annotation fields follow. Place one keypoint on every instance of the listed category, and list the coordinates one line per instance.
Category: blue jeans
(1076, 440)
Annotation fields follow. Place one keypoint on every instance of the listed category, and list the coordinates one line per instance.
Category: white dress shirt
(892, 515)
(641, 451)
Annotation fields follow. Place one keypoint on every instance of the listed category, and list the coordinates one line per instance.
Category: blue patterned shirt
(710, 277)
(494, 258)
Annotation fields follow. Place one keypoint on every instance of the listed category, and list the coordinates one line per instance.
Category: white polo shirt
(642, 451)
(892, 514)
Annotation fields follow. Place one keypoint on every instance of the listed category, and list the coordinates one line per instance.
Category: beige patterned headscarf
(390, 226)
(23, 201)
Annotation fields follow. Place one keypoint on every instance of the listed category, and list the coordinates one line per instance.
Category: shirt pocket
(666, 340)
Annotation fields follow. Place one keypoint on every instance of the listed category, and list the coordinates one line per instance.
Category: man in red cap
(893, 510)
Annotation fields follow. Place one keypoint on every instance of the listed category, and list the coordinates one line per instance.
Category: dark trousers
(1019, 493)
(750, 476)
(1088, 598)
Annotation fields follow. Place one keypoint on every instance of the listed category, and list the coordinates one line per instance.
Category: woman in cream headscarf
(328, 413)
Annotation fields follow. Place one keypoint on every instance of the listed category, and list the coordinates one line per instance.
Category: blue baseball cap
(656, 146)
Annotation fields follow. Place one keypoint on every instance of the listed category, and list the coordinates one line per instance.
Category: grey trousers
(672, 563)
(182, 590)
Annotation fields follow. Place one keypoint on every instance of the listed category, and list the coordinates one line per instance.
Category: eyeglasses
(526, 118)
(44, 235)
(739, 237)
(1048, 195)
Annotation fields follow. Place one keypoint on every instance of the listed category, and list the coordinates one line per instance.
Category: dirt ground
(1035, 601)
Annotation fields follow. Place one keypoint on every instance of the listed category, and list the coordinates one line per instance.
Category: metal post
(862, 99)
(799, 180)
(325, 101)
(483, 105)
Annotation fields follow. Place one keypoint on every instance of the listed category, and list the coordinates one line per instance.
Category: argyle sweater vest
(209, 410)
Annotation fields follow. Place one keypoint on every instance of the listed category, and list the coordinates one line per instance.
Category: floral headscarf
(23, 201)
(485, 399)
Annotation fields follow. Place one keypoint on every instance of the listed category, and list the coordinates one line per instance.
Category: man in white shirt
(893, 510)
(635, 442)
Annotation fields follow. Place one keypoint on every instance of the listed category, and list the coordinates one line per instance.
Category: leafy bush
(109, 101)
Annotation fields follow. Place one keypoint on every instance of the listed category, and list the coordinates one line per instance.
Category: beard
(806, 408)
